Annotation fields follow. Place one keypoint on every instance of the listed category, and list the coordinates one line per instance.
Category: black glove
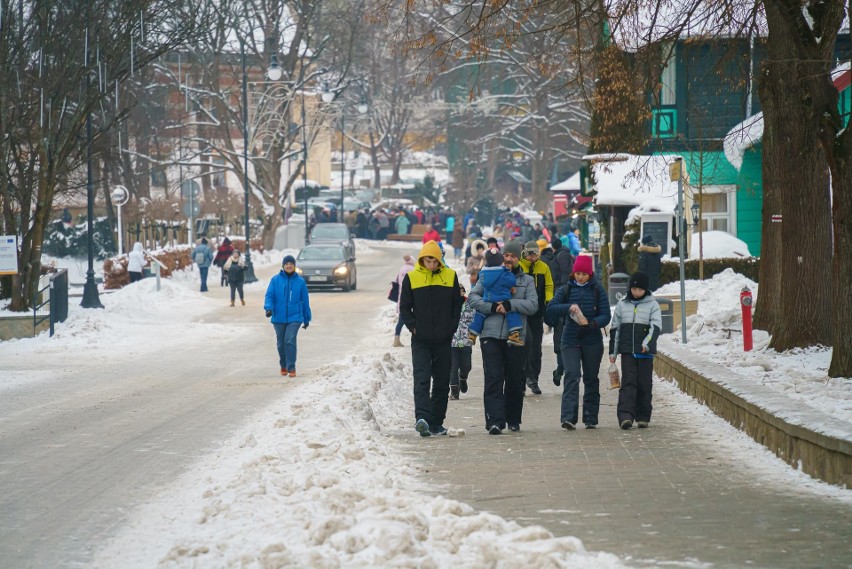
(305, 325)
(268, 313)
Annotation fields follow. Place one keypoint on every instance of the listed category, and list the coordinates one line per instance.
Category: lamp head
(274, 73)
(695, 209)
(327, 94)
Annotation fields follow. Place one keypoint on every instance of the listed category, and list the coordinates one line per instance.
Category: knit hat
(531, 247)
(514, 247)
(288, 259)
(493, 258)
(640, 280)
(583, 264)
(647, 240)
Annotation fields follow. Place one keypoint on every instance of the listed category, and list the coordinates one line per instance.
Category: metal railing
(56, 301)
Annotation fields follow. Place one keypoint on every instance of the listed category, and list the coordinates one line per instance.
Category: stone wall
(12, 327)
(778, 423)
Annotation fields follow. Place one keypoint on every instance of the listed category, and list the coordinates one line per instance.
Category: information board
(8, 255)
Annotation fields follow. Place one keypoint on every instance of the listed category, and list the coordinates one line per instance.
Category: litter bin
(617, 287)
(667, 309)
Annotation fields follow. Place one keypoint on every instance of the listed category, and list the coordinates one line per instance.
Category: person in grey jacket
(203, 257)
(503, 393)
(636, 325)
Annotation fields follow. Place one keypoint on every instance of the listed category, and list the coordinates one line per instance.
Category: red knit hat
(583, 264)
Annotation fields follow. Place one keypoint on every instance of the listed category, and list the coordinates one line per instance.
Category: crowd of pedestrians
(525, 279)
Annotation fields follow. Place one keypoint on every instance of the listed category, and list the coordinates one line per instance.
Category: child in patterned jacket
(462, 350)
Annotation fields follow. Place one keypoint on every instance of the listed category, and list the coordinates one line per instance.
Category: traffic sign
(188, 186)
(196, 208)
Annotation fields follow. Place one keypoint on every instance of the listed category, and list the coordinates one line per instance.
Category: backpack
(199, 257)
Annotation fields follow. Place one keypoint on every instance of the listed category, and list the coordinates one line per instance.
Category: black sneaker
(463, 385)
(568, 425)
(438, 431)
(514, 428)
(642, 424)
(535, 388)
(557, 377)
(422, 427)
(454, 392)
(495, 430)
(591, 426)
(626, 424)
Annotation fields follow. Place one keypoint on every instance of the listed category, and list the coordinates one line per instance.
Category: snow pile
(716, 333)
(718, 245)
(319, 482)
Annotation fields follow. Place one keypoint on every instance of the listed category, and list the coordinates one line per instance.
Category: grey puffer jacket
(524, 301)
(635, 323)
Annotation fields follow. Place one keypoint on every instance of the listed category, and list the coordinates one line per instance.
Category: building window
(668, 78)
(158, 177)
(716, 209)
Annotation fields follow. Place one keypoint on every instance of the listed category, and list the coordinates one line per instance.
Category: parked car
(333, 233)
(327, 265)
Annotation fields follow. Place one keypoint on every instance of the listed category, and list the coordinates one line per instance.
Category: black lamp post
(274, 73)
(91, 298)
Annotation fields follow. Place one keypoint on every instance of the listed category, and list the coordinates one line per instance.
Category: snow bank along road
(93, 425)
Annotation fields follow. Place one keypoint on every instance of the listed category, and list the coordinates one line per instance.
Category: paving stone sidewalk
(672, 493)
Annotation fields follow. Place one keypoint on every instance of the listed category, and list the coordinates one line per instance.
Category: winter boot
(557, 377)
(292, 373)
(454, 392)
(397, 343)
(472, 337)
(243, 302)
(232, 304)
(533, 385)
(515, 338)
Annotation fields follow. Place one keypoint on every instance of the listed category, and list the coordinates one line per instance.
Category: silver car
(333, 233)
(327, 265)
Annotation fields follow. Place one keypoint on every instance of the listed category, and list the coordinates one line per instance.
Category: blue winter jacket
(497, 283)
(287, 298)
(204, 250)
(574, 244)
(592, 300)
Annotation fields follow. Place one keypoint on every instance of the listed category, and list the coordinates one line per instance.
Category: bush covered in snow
(748, 267)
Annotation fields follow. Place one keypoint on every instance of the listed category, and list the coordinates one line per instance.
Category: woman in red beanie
(584, 305)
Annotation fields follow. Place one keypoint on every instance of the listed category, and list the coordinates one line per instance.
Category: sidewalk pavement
(673, 493)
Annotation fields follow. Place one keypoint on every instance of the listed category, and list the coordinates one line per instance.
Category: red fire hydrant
(745, 303)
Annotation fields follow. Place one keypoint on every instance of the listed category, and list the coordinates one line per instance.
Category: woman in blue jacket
(584, 304)
(287, 303)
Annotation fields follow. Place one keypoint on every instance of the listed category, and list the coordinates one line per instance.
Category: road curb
(777, 422)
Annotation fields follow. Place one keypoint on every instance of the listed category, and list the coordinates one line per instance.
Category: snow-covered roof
(299, 183)
(741, 138)
(634, 181)
(570, 185)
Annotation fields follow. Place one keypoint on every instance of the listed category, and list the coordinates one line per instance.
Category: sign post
(8, 255)
(676, 173)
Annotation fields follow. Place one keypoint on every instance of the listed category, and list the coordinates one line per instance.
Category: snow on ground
(718, 245)
(716, 333)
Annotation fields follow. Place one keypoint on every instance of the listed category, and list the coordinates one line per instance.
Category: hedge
(748, 267)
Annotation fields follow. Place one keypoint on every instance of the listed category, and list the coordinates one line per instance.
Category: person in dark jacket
(650, 255)
(636, 325)
(503, 364)
(235, 269)
(540, 273)
(288, 305)
(584, 305)
(430, 304)
(561, 269)
(223, 253)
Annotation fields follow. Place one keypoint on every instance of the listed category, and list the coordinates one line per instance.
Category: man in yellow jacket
(540, 272)
(430, 304)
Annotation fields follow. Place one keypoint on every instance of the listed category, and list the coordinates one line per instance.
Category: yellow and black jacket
(430, 302)
(543, 284)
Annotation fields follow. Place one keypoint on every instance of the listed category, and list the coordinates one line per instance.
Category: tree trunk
(841, 358)
(802, 290)
(29, 263)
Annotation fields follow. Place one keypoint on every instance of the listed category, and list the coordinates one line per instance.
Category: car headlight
(341, 270)
(299, 270)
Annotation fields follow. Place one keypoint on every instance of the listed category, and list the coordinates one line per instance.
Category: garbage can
(617, 287)
(667, 309)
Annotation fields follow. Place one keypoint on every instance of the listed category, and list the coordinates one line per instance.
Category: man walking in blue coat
(287, 303)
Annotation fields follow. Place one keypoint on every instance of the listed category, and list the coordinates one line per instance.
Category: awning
(518, 177)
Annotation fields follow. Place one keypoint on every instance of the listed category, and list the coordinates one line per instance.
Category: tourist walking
(430, 305)
(503, 364)
(287, 304)
(203, 257)
(462, 350)
(584, 306)
(223, 253)
(234, 267)
(407, 267)
(540, 273)
(135, 263)
(636, 325)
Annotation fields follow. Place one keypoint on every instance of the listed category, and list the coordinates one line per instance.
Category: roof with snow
(634, 181)
(572, 184)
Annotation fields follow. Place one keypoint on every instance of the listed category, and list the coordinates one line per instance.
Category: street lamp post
(327, 97)
(91, 298)
(305, 169)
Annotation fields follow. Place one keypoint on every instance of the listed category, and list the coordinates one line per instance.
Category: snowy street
(158, 433)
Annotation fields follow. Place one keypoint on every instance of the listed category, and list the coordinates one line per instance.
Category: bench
(416, 234)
